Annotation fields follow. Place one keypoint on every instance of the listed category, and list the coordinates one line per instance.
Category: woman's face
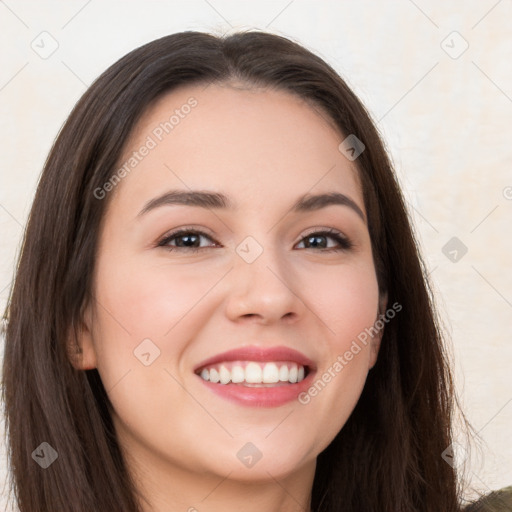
(268, 295)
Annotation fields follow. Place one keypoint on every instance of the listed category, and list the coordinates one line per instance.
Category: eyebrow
(218, 201)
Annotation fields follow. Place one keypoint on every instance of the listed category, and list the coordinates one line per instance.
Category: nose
(264, 291)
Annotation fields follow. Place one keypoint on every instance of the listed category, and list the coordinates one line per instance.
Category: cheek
(150, 300)
(139, 301)
(144, 309)
(346, 300)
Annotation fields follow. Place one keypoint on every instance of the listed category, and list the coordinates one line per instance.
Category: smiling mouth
(254, 374)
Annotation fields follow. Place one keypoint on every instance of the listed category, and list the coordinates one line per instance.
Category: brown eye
(315, 240)
(187, 239)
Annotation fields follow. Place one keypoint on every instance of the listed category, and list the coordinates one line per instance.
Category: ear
(379, 325)
(80, 346)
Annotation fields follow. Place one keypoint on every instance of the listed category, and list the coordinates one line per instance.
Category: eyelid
(322, 229)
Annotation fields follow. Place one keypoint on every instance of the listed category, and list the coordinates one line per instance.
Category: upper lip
(254, 353)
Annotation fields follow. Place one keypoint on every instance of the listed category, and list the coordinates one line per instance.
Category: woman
(293, 361)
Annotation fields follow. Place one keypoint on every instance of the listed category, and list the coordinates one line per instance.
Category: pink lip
(260, 396)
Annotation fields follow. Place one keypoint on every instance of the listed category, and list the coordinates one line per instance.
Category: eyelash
(345, 243)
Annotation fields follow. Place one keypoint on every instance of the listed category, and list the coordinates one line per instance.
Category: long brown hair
(386, 458)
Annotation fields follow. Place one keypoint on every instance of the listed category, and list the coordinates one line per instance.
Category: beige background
(444, 112)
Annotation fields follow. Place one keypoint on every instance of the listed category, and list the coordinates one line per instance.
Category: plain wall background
(444, 111)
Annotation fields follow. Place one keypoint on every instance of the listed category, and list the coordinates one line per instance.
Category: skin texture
(263, 149)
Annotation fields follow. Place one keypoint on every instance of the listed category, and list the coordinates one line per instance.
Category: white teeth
(252, 372)
(237, 374)
(293, 374)
(270, 373)
(225, 375)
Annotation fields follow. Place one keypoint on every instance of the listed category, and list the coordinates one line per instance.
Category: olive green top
(496, 501)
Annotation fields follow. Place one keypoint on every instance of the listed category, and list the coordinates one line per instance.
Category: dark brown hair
(386, 458)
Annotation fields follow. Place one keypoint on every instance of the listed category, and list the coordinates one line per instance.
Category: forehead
(257, 145)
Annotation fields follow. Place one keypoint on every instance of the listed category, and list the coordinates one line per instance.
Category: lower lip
(260, 397)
